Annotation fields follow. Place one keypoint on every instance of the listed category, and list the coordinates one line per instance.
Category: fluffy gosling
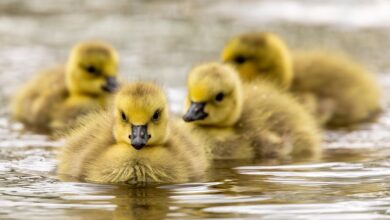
(135, 142)
(252, 122)
(337, 90)
(57, 96)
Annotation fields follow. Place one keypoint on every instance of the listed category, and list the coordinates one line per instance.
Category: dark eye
(156, 115)
(239, 59)
(124, 117)
(92, 70)
(219, 97)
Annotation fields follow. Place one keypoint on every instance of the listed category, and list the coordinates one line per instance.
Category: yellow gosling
(252, 122)
(57, 96)
(135, 142)
(337, 90)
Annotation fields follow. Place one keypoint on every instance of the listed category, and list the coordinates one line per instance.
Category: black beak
(195, 112)
(111, 84)
(139, 136)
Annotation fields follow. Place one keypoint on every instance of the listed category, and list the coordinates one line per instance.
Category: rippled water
(162, 40)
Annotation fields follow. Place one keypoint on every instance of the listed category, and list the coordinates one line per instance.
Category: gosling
(337, 90)
(253, 122)
(57, 96)
(132, 143)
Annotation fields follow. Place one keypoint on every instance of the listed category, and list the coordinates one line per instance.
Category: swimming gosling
(339, 91)
(135, 142)
(57, 96)
(251, 122)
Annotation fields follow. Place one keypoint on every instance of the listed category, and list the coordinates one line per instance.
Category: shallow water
(161, 41)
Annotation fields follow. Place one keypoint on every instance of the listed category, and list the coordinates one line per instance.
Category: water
(161, 41)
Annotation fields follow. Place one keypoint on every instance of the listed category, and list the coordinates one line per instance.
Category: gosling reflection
(148, 202)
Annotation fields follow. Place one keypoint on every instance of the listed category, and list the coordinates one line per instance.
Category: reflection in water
(140, 203)
(162, 41)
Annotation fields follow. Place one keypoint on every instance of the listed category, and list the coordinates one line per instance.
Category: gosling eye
(156, 115)
(123, 116)
(240, 59)
(219, 97)
(92, 70)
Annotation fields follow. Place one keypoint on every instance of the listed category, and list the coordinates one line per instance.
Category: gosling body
(338, 91)
(344, 91)
(253, 122)
(132, 143)
(57, 96)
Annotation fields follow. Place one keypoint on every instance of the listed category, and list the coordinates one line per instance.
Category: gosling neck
(236, 112)
(283, 65)
(284, 70)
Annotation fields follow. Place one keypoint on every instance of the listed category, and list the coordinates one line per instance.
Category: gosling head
(92, 69)
(214, 95)
(141, 114)
(260, 56)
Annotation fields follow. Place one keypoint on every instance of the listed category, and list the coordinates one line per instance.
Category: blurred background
(161, 40)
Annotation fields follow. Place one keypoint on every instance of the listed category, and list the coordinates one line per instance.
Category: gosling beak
(195, 112)
(111, 84)
(139, 136)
